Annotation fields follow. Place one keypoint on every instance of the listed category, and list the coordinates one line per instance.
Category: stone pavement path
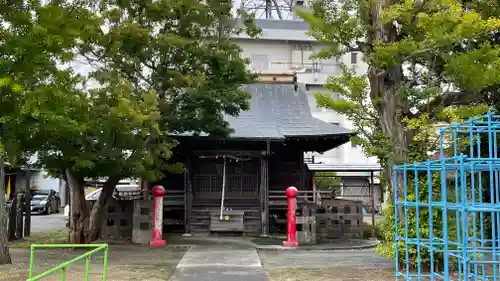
(220, 263)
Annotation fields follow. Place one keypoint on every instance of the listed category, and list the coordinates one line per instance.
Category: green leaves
(175, 48)
(428, 62)
(35, 38)
(158, 69)
(475, 70)
(414, 50)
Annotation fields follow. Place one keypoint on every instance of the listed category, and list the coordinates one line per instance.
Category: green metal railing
(63, 267)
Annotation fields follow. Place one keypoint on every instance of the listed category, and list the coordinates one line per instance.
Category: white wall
(41, 178)
(44, 182)
(284, 56)
(276, 50)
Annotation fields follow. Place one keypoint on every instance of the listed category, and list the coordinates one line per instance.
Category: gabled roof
(277, 111)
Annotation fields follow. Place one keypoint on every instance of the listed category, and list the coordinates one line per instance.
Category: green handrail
(63, 267)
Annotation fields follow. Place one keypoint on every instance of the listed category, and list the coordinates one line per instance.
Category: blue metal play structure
(447, 213)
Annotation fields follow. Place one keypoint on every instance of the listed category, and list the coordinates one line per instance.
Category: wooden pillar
(27, 205)
(371, 185)
(264, 188)
(188, 197)
(19, 216)
(12, 219)
(145, 189)
(302, 186)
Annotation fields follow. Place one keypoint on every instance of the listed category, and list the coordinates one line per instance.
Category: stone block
(118, 221)
(142, 221)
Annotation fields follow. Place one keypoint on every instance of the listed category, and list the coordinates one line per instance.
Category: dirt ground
(133, 262)
(124, 263)
(348, 265)
(331, 274)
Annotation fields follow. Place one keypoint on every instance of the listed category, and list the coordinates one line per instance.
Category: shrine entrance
(226, 189)
(241, 178)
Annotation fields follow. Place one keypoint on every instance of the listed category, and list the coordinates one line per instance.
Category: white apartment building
(285, 46)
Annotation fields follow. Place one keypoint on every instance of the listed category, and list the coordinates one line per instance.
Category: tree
(163, 68)
(327, 181)
(101, 133)
(419, 71)
(34, 37)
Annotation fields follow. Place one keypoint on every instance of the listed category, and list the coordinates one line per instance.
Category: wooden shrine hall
(227, 181)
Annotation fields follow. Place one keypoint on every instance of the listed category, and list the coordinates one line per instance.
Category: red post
(291, 194)
(158, 193)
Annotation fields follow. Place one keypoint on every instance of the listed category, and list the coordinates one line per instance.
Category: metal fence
(63, 267)
(447, 221)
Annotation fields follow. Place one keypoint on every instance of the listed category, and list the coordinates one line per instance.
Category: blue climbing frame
(461, 239)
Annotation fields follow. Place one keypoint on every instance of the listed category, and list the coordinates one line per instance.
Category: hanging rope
(223, 188)
(224, 167)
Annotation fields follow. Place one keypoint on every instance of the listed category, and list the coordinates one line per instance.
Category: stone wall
(142, 221)
(339, 218)
(128, 220)
(118, 222)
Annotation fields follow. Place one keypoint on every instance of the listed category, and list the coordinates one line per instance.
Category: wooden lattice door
(241, 178)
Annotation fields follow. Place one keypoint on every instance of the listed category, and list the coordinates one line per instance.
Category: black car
(45, 202)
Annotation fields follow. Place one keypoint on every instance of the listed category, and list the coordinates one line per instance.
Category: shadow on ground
(125, 263)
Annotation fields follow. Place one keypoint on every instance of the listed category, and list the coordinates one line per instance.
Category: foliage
(35, 37)
(428, 63)
(327, 181)
(159, 69)
(33, 43)
(179, 49)
(114, 128)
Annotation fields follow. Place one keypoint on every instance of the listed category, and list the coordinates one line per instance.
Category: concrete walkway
(220, 263)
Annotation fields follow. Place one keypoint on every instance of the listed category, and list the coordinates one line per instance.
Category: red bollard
(157, 241)
(291, 194)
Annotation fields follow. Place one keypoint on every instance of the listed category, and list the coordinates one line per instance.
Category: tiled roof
(277, 111)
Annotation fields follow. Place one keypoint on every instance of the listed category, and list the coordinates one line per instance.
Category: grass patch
(49, 237)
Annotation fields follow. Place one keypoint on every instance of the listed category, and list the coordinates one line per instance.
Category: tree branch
(450, 98)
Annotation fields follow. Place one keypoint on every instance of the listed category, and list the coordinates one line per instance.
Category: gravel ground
(127, 263)
(313, 259)
(124, 263)
(331, 274)
(349, 265)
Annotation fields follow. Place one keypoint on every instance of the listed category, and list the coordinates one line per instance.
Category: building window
(304, 47)
(354, 145)
(335, 123)
(316, 66)
(354, 58)
(260, 62)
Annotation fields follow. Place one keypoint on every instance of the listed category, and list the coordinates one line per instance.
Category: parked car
(45, 202)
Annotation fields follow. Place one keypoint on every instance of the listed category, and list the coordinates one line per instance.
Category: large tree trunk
(98, 210)
(389, 103)
(79, 214)
(4, 243)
